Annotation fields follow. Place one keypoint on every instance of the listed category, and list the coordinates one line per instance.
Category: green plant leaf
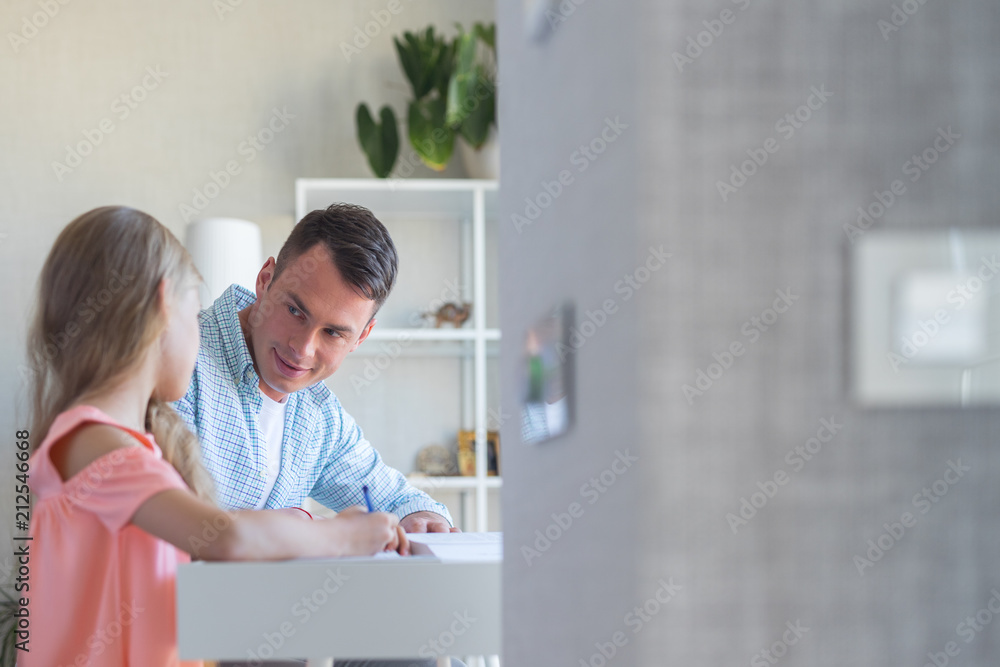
(426, 61)
(463, 79)
(433, 140)
(488, 34)
(379, 141)
(475, 128)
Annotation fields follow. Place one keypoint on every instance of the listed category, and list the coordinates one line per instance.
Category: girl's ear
(162, 290)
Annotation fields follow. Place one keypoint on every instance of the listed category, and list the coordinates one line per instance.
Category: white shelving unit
(403, 205)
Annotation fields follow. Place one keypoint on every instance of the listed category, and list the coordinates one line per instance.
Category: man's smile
(287, 369)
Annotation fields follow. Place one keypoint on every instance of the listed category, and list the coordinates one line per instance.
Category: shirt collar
(236, 352)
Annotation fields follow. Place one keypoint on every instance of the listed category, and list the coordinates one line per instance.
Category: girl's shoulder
(83, 434)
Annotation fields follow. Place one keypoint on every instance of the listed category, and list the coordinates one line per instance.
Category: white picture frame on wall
(925, 318)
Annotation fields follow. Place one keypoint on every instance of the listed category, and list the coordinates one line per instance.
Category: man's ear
(264, 277)
(364, 334)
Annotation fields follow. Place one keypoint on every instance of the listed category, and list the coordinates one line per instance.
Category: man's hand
(426, 522)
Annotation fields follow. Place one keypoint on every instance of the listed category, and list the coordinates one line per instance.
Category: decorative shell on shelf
(437, 460)
(454, 313)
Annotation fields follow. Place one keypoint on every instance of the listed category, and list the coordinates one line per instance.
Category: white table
(352, 608)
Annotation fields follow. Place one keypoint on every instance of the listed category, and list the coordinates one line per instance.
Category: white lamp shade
(226, 251)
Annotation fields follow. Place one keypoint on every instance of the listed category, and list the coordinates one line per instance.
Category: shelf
(428, 482)
(429, 334)
(447, 238)
(398, 198)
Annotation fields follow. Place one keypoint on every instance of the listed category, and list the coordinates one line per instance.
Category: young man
(271, 432)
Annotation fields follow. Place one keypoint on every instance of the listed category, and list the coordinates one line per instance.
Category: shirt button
(263, 474)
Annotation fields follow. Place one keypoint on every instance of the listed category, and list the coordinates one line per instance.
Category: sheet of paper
(454, 547)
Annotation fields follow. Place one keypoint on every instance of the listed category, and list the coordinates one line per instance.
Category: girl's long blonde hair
(98, 312)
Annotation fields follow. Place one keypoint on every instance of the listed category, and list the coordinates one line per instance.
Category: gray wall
(793, 561)
(555, 97)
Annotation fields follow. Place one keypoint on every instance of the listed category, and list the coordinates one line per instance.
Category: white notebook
(454, 547)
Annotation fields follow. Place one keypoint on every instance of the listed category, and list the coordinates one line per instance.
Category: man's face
(304, 323)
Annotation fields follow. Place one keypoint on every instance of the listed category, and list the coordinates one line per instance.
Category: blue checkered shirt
(324, 454)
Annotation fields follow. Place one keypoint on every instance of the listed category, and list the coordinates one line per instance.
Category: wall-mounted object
(548, 371)
(926, 318)
(226, 251)
(537, 18)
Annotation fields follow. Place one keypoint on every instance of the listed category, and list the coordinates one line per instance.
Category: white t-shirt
(272, 428)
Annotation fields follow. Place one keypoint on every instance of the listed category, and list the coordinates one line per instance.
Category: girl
(122, 497)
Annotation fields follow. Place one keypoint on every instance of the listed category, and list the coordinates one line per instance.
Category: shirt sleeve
(353, 463)
(115, 485)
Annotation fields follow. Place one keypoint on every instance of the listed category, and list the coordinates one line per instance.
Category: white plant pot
(485, 162)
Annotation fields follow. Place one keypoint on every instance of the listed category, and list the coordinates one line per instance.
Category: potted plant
(9, 608)
(454, 93)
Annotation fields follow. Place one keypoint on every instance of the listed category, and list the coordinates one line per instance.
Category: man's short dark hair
(359, 244)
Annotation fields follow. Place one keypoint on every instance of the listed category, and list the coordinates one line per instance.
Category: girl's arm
(209, 533)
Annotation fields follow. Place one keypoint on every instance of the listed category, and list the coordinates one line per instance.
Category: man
(271, 432)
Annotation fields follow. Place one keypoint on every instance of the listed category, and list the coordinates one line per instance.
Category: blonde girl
(121, 494)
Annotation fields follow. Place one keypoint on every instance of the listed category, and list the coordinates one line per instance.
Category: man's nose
(303, 344)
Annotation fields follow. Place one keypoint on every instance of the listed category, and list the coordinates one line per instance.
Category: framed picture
(467, 453)
(548, 377)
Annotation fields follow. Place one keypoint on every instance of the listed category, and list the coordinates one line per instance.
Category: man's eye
(293, 310)
(332, 332)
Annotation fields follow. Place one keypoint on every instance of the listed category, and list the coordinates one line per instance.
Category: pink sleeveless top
(102, 590)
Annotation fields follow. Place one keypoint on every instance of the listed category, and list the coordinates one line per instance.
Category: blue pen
(368, 498)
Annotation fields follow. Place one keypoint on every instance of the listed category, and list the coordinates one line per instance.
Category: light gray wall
(782, 230)
(555, 97)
